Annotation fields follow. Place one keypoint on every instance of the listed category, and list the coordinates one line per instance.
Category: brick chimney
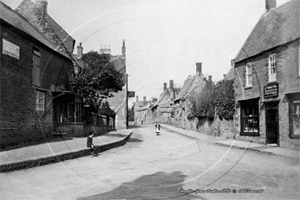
(270, 4)
(198, 68)
(137, 98)
(224, 76)
(171, 84)
(210, 78)
(165, 86)
(41, 5)
(144, 99)
(79, 51)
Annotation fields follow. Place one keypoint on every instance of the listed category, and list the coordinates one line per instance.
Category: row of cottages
(267, 79)
(162, 110)
(34, 74)
(142, 111)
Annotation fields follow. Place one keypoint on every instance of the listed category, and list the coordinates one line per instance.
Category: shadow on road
(160, 185)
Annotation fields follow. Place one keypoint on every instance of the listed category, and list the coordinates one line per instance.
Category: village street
(169, 166)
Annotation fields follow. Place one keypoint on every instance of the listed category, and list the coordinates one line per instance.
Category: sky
(164, 38)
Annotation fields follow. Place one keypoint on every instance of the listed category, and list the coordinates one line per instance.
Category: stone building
(142, 111)
(34, 75)
(193, 84)
(267, 79)
(162, 110)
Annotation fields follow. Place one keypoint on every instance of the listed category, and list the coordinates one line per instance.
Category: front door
(272, 135)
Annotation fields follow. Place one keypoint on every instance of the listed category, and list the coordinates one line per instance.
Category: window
(36, 62)
(272, 68)
(69, 109)
(249, 118)
(299, 60)
(40, 101)
(248, 75)
(295, 118)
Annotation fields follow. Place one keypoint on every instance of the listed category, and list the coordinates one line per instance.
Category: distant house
(142, 111)
(162, 110)
(267, 78)
(194, 83)
(34, 76)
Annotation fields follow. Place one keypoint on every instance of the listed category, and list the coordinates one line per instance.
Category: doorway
(272, 128)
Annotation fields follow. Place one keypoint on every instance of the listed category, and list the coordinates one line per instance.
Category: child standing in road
(90, 143)
(157, 128)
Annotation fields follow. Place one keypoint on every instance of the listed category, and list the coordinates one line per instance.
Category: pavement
(57, 149)
(237, 144)
(60, 148)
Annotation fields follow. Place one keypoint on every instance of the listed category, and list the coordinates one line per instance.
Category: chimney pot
(41, 5)
(224, 76)
(270, 4)
(165, 86)
(198, 68)
(137, 98)
(79, 51)
(144, 99)
(171, 83)
(209, 78)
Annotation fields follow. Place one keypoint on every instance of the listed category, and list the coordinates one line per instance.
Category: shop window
(69, 109)
(36, 62)
(294, 118)
(249, 118)
(248, 75)
(272, 68)
(40, 101)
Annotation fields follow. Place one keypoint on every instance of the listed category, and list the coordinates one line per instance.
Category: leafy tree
(214, 100)
(98, 79)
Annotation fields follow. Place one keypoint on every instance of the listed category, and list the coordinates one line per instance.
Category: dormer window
(272, 68)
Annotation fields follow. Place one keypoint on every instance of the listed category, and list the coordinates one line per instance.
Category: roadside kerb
(60, 157)
(235, 146)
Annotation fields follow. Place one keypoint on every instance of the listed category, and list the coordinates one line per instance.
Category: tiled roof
(118, 64)
(276, 27)
(190, 84)
(67, 40)
(18, 21)
(230, 74)
(54, 31)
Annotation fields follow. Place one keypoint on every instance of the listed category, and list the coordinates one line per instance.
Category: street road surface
(169, 166)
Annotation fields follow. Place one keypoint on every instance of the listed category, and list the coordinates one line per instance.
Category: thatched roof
(276, 27)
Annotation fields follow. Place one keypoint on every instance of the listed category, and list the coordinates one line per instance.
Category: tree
(98, 79)
(214, 100)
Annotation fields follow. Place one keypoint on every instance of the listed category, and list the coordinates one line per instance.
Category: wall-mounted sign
(130, 93)
(271, 90)
(10, 49)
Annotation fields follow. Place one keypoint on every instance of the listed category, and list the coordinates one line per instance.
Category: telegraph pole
(126, 106)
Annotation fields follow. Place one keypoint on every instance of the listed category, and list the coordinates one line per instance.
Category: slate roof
(28, 8)
(191, 83)
(18, 21)
(276, 27)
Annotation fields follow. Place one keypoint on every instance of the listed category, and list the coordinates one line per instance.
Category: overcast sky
(164, 38)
